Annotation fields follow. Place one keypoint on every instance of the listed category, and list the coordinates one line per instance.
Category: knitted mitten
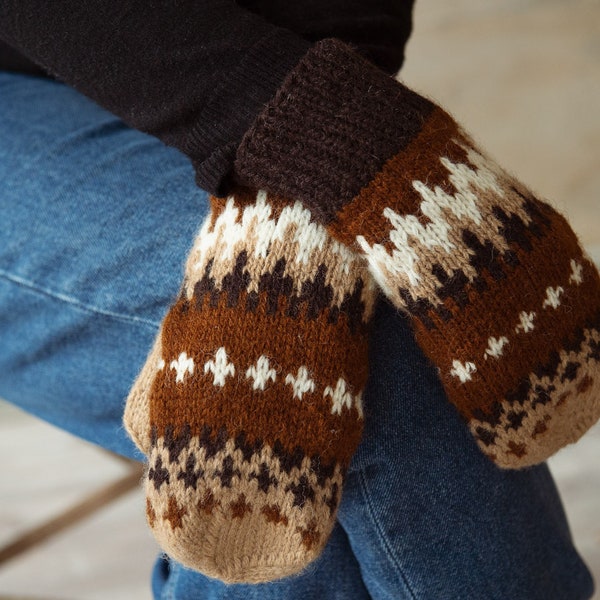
(502, 298)
(249, 405)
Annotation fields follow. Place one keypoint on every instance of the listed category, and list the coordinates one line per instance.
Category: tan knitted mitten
(249, 405)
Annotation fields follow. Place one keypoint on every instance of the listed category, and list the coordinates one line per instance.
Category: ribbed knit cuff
(330, 128)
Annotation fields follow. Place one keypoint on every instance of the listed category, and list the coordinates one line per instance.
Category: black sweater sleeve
(12, 60)
(194, 73)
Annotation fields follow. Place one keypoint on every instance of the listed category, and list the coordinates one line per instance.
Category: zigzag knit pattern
(502, 298)
(250, 404)
(503, 301)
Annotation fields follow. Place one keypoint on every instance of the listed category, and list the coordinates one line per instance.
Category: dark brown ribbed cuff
(329, 130)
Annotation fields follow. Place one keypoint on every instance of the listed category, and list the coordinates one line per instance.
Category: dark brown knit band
(329, 130)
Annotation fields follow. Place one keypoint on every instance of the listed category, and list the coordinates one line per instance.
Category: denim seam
(381, 535)
(76, 303)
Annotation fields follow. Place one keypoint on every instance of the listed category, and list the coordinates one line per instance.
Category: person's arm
(194, 73)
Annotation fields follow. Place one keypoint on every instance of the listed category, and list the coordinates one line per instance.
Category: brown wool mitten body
(249, 405)
(503, 299)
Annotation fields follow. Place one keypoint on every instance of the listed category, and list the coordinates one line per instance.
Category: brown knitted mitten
(249, 406)
(503, 299)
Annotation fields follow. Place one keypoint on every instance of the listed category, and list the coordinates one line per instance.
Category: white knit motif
(261, 373)
(495, 347)
(182, 365)
(525, 322)
(576, 273)
(340, 396)
(553, 297)
(220, 367)
(464, 371)
(301, 382)
(358, 404)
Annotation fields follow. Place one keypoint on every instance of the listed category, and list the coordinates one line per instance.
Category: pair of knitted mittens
(248, 407)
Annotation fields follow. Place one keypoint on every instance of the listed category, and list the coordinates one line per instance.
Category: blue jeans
(95, 224)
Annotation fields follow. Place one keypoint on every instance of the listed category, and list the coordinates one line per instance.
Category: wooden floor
(524, 77)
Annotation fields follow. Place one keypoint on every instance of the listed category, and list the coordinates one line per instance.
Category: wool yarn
(249, 406)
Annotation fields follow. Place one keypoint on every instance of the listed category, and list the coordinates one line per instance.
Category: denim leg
(96, 221)
(428, 515)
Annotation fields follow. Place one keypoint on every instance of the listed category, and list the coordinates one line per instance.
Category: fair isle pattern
(224, 483)
(476, 262)
(496, 346)
(254, 239)
(475, 192)
(255, 403)
(565, 404)
(261, 374)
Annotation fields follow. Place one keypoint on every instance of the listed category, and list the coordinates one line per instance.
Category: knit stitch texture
(502, 298)
(249, 407)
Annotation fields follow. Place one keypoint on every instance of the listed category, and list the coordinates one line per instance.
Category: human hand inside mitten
(249, 404)
(502, 298)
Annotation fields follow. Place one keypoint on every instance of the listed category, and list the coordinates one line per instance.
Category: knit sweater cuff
(249, 88)
(330, 128)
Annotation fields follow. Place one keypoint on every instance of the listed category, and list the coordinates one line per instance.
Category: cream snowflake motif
(261, 373)
(182, 366)
(220, 367)
(301, 383)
